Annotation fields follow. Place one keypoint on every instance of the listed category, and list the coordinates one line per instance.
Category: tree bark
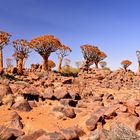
(17, 63)
(139, 67)
(1, 58)
(60, 64)
(45, 64)
(20, 66)
(96, 64)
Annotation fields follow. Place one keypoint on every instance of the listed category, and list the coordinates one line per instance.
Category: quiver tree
(138, 57)
(62, 52)
(22, 50)
(78, 64)
(103, 64)
(125, 64)
(67, 62)
(9, 62)
(16, 58)
(4, 39)
(92, 54)
(45, 45)
(51, 64)
(100, 56)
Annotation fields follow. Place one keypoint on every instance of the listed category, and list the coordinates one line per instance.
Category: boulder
(61, 93)
(52, 136)
(4, 90)
(48, 94)
(91, 123)
(69, 112)
(22, 105)
(9, 133)
(33, 136)
(119, 131)
(68, 102)
(69, 134)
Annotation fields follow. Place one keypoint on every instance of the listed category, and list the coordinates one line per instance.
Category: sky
(112, 25)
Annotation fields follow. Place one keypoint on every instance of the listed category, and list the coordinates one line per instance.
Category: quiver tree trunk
(59, 64)
(1, 58)
(17, 63)
(138, 66)
(20, 66)
(45, 63)
(96, 64)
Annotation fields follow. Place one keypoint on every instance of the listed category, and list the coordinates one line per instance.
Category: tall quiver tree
(138, 57)
(45, 45)
(4, 39)
(62, 52)
(22, 50)
(90, 53)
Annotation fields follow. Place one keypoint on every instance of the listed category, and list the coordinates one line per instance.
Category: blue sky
(112, 25)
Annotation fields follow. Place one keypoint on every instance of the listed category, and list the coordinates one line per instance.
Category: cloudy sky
(112, 25)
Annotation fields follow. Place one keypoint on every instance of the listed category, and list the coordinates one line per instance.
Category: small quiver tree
(125, 64)
(22, 50)
(61, 53)
(103, 64)
(9, 62)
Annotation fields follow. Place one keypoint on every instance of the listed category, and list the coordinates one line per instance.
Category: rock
(91, 123)
(31, 93)
(61, 93)
(68, 102)
(102, 134)
(69, 112)
(123, 108)
(14, 115)
(9, 133)
(8, 100)
(15, 123)
(69, 134)
(74, 95)
(4, 90)
(58, 108)
(67, 80)
(48, 94)
(52, 136)
(33, 76)
(110, 113)
(22, 105)
(78, 131)
(32, 104)
(33, 136)
(132, 103)
(120, 131)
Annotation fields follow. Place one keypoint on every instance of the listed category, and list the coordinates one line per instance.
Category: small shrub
(70, 71)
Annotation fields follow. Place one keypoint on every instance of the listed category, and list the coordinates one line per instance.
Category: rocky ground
(98, 105)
